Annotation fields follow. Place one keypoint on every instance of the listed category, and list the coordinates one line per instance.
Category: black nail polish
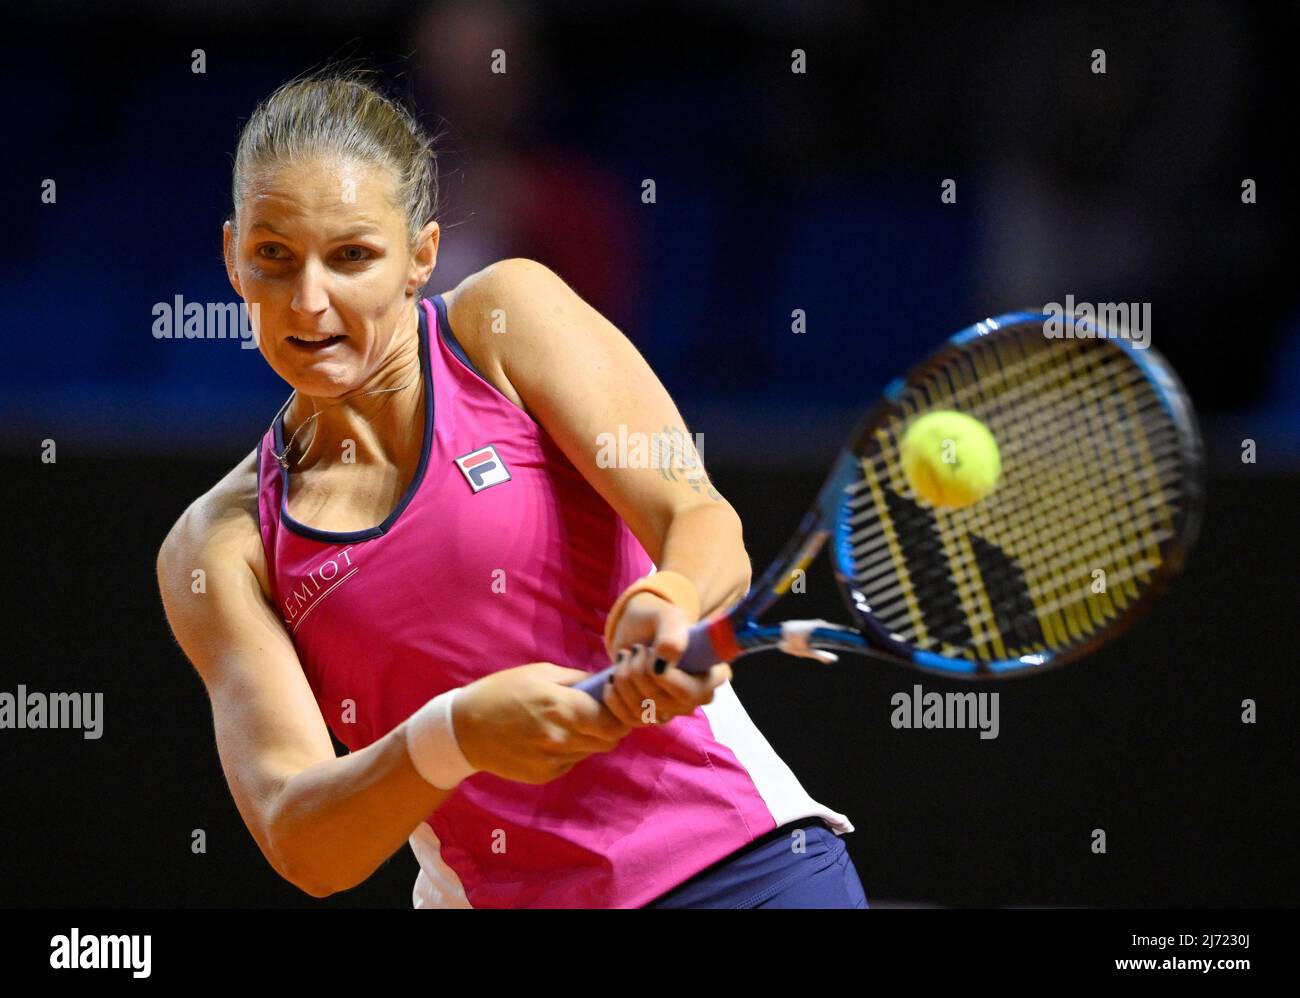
(660, 665)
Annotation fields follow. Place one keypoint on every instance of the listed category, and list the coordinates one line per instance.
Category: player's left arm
(580, 378)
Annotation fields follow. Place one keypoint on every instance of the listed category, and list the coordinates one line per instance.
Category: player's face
(323, 253)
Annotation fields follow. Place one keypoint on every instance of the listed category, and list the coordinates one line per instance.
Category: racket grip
(700, 656)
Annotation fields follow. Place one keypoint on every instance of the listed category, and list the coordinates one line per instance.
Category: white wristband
(431, 743)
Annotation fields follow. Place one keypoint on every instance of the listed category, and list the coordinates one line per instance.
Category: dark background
(775, 191)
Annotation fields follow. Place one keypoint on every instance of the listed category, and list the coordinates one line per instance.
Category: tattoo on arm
(678, 459)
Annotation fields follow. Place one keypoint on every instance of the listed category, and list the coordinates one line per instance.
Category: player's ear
(228, 251)
(424, 257)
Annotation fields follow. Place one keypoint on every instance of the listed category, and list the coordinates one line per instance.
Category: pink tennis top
(500, 554)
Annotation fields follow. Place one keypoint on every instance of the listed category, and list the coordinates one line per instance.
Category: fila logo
(483, 468)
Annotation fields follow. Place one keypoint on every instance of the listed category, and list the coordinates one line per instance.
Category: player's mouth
(315, 344)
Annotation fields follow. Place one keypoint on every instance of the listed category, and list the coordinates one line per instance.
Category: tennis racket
(1098, 504)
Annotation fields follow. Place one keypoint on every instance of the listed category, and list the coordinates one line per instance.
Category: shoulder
(513, 296)
(507, 282)
(507, 296)
(220, 526)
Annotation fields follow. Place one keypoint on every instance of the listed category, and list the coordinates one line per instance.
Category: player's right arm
(325, 823)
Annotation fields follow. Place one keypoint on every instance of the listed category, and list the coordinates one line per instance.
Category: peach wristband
(674, 587)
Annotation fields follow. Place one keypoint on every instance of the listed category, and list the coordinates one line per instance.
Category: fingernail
(660, 665)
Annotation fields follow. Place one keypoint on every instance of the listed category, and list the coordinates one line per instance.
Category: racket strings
(1047, 592)
(1073, 433)
(1092, 480)
(1070, 550)
(1140, 568)
(1010, 388)
(1135, 569)
(882, 461)
(1070, 473)
(869, 550)
(1130, 468)
(872, 550)
(1041, 516)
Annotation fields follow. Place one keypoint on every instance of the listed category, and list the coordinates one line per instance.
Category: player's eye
(274, 254)
(355, 254)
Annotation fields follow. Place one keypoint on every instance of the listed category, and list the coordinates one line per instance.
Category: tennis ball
(950, 459)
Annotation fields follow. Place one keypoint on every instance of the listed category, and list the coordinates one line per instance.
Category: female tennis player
(426, 549)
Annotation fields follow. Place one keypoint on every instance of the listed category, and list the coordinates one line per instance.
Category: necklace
(284, 458)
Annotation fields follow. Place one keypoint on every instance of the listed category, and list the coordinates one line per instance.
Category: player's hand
(525, 724)
(652, 628)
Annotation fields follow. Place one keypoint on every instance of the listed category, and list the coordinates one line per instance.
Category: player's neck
(367, 425)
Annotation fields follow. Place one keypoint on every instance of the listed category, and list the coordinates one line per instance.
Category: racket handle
(700, 656)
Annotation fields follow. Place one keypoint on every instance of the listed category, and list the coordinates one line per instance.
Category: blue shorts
(771, 872)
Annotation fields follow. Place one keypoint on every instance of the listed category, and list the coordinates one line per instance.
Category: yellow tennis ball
(950, 459)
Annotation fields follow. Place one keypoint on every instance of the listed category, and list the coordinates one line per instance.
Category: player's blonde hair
(340, 114)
